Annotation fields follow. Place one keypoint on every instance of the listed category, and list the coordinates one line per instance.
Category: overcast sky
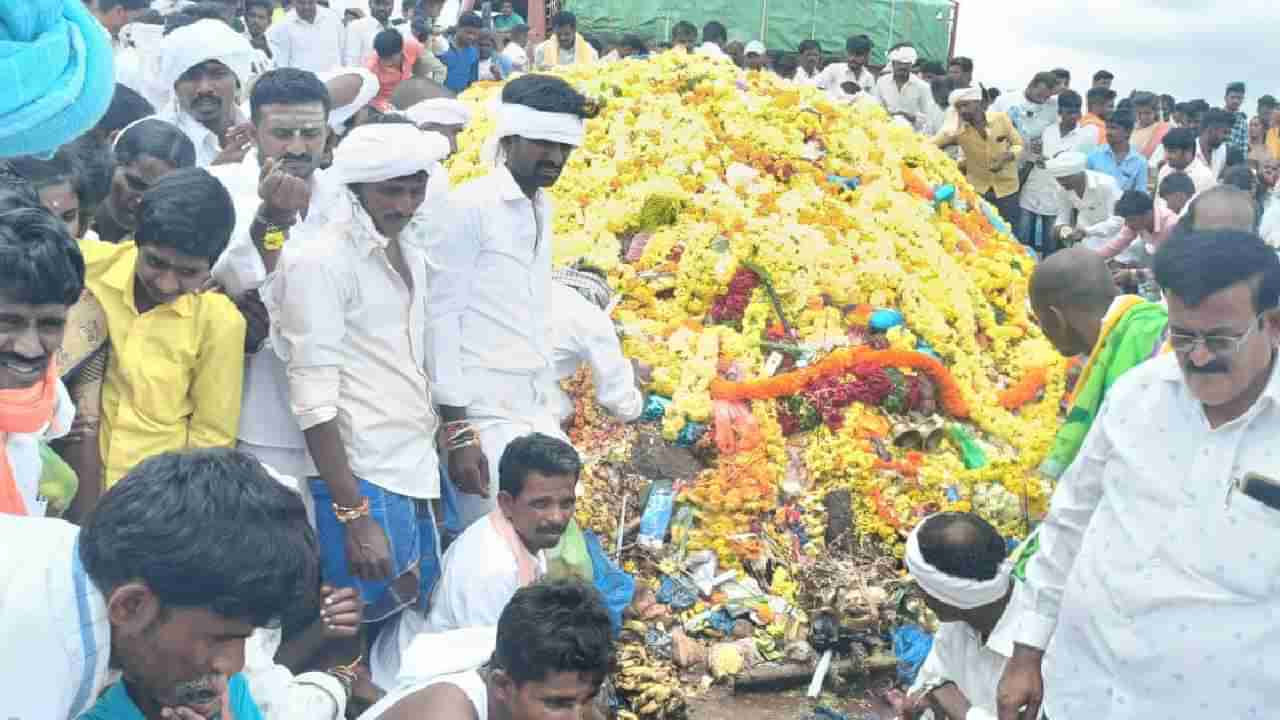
(1188, 48)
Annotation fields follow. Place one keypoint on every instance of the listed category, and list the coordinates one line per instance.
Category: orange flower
(1025, 390)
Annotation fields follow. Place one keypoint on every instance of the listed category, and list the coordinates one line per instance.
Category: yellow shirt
(175, 374)
(981, 154)
(1273, 142)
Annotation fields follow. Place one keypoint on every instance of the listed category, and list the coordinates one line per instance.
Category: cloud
(1189, 48)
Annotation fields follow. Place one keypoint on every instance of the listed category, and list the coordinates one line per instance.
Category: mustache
(1216, 367)
(556, 529)
(22, 359)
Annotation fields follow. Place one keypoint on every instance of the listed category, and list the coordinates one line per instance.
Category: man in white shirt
(1039, 198)
(257, 19)
(515, 51)
(1181, 150)
(271, 189)
(308, 38)
(554, 649)
(115, 14)
(1211, 147)
(714, 38)
(810, 65)
(360, 33)
(583, 332)
(904, 95)
(848, 81)
(498, 555)
(490, 294)
(118, 594)
(1086, 202)
(1154, 591)
(347, 307)
(958, 560)
(206, 65)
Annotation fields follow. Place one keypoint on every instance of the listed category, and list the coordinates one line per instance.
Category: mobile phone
(1261, 488)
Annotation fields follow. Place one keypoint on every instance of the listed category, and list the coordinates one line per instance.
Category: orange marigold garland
(1025, 390)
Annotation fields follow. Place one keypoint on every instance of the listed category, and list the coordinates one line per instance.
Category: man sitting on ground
(565, 47)
(958, 560)
(1078, 306)
(119, 593)
(499, 554)
(1086, 202)
(554, 650)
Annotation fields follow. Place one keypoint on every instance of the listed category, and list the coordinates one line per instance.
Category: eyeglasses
(1219, 345)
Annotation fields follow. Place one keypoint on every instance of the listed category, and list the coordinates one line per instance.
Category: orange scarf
(526, 563)
(22, 410)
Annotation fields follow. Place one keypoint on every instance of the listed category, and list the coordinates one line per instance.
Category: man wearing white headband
(206, 64)
(904, 95)
(958, 560)
(348, 315)
(491, 291)
(448, 117)
(991, 148)
(1086, 202)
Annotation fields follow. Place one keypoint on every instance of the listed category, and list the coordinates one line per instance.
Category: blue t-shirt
(463, 65)
(115, 703)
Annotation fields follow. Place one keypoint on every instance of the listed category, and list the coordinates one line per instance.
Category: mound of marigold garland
(816, 278)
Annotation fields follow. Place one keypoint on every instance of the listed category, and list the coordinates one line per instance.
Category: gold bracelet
(350, 514)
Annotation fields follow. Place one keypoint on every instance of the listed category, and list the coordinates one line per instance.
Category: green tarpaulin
(781, 24)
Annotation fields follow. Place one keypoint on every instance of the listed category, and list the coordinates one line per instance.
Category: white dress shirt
(804, 78)
(1094, 212)
(916, 97)
(350, 333)
(1157, 583)
(1215, 161)
(54, 632)
(207, 143)
(1040, 192)
(359, 40)
(1201, 176)
(582, 332)
(518, 57)
(314, 46)
(835, 75)
(490, 296)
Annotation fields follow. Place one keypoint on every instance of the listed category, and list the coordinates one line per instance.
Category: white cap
(755, 47)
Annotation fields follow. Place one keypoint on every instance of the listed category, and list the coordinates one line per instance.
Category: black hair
(471, 20)
(16, 189)
(289, 86)
(150, 16)
(965, 64)
(1238, 174)
(205, 529)
(1216, 117)
(684, 29)
(1182, 138)
(520, 29)
(809, 44)
(554, 626)
(1103, 75)
(388, 43)
(1198, 264)
(538, 453)
(1099, 95)
(1062, 74)
(1143, 98)
(1169, 100)
(126, 108)
(1268, 101)
(157, 139)
(1235, 87)
(1199, 105)
(1069, 100)
(1177, 182)
(933, 67)
(44, 172)
(1047, 79)
(546, 93)
(95, 167)
(270, 7)
(715, 32)
(1133, 203)
(941, 88)
(189, 211)
(564, 18)
(858, 44)
(40, 263)
(389, 118)
(962, 545)
(109, 5)
(1122, 118)
(635, 42)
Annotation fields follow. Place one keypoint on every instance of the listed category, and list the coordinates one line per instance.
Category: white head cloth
(369, 87)
(904, 55)
(1066, 164)
(200, 42)
(515, 120)
(440, 111)
(957, 592)
(969, 94)
(374, 153)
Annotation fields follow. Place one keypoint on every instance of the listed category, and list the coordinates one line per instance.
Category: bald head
(416, 89)
(1223, 207)
(1076, 278)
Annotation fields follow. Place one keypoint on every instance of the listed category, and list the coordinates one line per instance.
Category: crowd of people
(295, 398)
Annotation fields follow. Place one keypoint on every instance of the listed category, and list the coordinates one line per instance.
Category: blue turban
(56, 74)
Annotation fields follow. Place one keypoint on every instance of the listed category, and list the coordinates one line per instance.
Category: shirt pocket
(1237, 549)
(162, 386)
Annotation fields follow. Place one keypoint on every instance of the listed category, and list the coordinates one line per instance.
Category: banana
(627, 715)
(636, 626)
(650, 709)
(643, 673)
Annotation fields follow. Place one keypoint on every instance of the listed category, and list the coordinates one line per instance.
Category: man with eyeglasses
(1154, 589)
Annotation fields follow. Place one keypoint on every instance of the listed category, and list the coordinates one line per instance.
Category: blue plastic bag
(912, 645)
(614, 584)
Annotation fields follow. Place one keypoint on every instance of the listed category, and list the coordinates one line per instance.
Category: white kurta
(583, 333)
(1094, 212)
(1158, 584)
